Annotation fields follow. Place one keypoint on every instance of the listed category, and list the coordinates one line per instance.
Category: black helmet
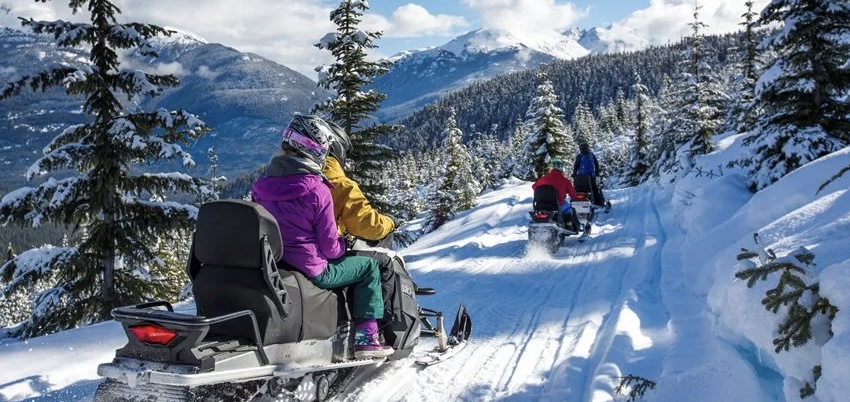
(583, 146)
(340, 143)
(309, 136)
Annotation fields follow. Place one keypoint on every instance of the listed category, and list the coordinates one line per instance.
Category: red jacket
(562, 184)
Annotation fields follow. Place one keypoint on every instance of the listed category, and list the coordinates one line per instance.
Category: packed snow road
(560, 327)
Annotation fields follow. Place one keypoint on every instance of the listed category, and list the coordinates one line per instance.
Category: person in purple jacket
(295, 192)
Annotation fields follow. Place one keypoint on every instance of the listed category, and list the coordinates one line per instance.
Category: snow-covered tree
(352, 106)
(643, 112)
(803, 92)
(490, 154)
(113, 202)
(518, 163)
(548, 135)
(584, 126)
(455, 190)
(742, 113)
(216, 182)
(707, 102)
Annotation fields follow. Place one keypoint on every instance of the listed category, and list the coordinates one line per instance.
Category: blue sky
(285, 30)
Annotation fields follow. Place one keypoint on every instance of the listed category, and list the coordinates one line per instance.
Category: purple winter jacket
(303, 207)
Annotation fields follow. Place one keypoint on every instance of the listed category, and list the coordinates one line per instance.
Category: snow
(490, 40)
(652, 293)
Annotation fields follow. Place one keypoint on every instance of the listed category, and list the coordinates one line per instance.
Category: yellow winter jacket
(354, 214)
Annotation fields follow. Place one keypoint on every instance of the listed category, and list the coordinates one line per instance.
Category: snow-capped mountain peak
(490, 40)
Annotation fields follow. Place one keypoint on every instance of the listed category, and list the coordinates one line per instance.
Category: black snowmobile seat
(545, 198)
(583, 183)
(233, 267)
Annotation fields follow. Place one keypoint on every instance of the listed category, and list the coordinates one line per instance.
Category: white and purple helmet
(309, 136)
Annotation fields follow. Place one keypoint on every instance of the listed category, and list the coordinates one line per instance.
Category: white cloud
(666, 21)
(412, 20)
(529, 18)
(280, 30)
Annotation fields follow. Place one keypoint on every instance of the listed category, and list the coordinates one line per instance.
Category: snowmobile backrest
(233, 268)
(582, 183)
(545, 198)
(229, 233)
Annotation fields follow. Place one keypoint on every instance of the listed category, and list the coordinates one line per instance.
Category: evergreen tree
(457, 187)
(623, 117)
(743, 114)
(804, 91)
(518, 161)
(111, 202)
(216, 182)
(353, 106)
(10, 254)
(548, 137)
(707, 101)
(585, 127)
(492, 154)
(639, 160)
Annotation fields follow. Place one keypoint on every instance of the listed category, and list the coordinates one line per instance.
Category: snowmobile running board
(557, 227)
(151, 373)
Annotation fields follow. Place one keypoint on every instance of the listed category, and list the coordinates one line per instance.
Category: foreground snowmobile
(548, 227)
(262, 332)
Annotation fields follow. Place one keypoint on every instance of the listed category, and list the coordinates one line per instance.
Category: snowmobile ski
(435, 357)
(448, 345)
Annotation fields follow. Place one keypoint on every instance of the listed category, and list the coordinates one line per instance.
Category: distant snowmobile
(585, 206)
(262, 332)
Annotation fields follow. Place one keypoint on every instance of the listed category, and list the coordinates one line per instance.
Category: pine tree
(585, 127)
(10, 254)
(639, 160)
(548, 137)
(353, 106)
(797, 294)
(216, 182)
(743, 114)
(111, 202)
(803, 92)
(623, 117)
(707, 101)
(457, 187)
(518, 161)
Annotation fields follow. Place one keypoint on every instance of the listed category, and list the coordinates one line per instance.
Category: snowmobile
(585, 205)
(548, 227)
(262, 331)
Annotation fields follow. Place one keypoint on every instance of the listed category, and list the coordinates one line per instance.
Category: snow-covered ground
(652, 294)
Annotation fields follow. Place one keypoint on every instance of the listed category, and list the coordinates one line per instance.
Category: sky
(285, 30)
(651, 293)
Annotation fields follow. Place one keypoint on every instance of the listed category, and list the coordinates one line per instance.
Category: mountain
(612, 39)
(421, 76)
(244, 97)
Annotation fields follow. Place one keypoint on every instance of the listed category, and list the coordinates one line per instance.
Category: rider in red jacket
(563, 186)
(556, 178)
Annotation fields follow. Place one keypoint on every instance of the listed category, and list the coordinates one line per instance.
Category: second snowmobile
(261, 332)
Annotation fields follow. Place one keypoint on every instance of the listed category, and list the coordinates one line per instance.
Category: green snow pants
(363, 275)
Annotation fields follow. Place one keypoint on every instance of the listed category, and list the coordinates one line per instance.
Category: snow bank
(787, 215)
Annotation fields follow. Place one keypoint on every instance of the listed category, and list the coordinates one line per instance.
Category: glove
(349, 241)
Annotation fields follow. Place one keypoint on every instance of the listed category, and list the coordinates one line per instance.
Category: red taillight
(580, 196)
(154, 334)
(540, 215)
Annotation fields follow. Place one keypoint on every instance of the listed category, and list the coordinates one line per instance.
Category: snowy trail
(558, 328)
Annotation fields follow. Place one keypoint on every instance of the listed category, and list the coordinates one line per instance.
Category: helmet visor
(308, 144)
